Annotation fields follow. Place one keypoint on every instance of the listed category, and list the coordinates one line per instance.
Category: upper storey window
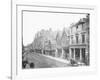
(83, 38)
(77, 38)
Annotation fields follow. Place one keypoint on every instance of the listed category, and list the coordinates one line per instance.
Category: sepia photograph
(53, 39)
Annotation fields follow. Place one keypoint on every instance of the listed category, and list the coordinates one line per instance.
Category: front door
(77, 54)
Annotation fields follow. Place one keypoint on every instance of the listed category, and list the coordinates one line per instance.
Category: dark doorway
(77, 54)
(72, 51)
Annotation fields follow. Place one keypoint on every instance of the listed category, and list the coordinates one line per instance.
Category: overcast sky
(35, 21)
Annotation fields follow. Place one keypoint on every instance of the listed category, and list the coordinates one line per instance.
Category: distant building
(65, 43)
(62, 40)
(79, 41)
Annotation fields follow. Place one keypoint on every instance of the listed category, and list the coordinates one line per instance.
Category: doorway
(77, 54)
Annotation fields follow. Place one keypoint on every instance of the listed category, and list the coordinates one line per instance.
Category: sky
(35, 21)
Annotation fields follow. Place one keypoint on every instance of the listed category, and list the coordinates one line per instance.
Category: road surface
(41, 61)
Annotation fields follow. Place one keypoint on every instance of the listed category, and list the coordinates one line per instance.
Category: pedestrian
(27, 66)
(24, 63)
(32, 65)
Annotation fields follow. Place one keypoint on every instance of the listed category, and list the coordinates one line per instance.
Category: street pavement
(41, 61)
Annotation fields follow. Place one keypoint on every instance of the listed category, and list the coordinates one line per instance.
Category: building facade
(79, 41)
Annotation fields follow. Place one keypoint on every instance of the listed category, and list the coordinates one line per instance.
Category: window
(71, 30)
(76, 38)
(83, 38)
(82, 26)
(72, 39)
